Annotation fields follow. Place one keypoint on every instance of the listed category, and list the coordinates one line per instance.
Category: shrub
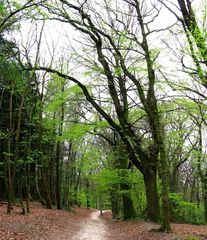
(186, 212)
(191, 238)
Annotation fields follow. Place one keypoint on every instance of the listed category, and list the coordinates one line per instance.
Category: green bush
(191, 238)
(185, 212)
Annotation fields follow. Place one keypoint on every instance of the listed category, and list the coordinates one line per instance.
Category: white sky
(59, 37)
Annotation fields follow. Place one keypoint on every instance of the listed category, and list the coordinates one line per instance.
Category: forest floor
(84, 224)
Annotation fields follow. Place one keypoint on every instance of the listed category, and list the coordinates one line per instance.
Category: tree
(58, 148)
(194, 31)
(118, 75)
(14, 14)
(15, 88)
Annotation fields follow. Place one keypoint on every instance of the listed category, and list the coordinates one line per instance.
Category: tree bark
(128, 205)
(17, 137)
(27, 198)
(205, 194)
(59, 150)
(153, 208)
(45, 188)
(20, 183)
(37, 185)
(58, 197)
(43, 167)
(203, 175)
(9, 174)
(165, 188)
(115, 202)
(9, 178)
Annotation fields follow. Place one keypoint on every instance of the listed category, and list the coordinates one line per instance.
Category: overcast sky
(60, 37)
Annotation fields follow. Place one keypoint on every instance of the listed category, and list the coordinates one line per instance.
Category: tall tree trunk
(58, 187)
(203, 175)
(153, 207)
(205, 194)
(164, 173)
(157, 130)
(9, 178)
(115, 202)
(44, 168)
(128, 205)
(77, 186)
(125, 186)
(66, 179)
(9, 174)
(27, 198)
(45, 188)
(28, 166)
(17, 137)
(59, 151)
(20, 186)
(175, 181)
(52, 175)
(88, 204)
(37, 185)
(100, 204)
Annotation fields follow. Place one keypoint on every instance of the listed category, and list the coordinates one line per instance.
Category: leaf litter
(47, 224)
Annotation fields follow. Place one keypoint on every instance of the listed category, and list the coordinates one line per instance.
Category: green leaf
(76, 131)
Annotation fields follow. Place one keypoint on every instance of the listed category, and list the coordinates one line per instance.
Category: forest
(103, 106)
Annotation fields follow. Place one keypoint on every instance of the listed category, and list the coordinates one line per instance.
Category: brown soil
(84, 224)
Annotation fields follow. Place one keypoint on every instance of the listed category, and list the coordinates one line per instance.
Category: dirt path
(92, 229)
(84, 224)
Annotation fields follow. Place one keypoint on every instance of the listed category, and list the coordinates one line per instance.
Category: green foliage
(78, 130)
(101, 125)
(59, 93)
(94, 69)
(8, 154)
(6, 7)
(118, 71)
(2, 8)
(2, 134)
(186, 212)
(193, 107)
(191, 238)
(29, 160)
(75, 131)
(138, 193)
(106, 179)
(136, 114)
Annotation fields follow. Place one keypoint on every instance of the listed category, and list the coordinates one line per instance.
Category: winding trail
(92, 229)
(84, 224)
